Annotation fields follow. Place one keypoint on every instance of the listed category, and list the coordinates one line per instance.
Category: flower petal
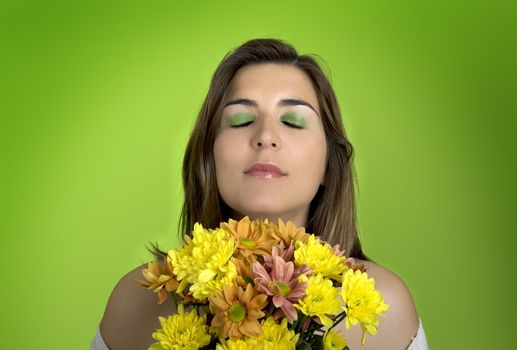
(278, 300)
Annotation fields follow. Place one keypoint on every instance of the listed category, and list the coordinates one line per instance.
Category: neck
(298, 217)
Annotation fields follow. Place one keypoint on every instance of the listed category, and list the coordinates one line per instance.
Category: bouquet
(260, 285)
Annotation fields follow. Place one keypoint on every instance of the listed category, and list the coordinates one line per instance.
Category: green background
(98, 100)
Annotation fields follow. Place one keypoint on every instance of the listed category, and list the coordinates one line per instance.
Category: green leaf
(303, 345)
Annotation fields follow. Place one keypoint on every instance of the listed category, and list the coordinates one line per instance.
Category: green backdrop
(98, 100)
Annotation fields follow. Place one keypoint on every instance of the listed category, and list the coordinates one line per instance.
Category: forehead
(270, 82)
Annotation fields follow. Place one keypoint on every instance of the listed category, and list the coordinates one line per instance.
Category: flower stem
(339, 318)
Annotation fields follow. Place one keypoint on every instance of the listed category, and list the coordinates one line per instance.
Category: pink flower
(338, 251)
(282, 284)
(281, 251)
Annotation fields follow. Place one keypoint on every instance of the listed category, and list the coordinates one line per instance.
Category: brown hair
(332, 212)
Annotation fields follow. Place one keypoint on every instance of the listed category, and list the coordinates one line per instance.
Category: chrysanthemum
(289, 232)
(333, 341)
(320, 257)
(274, 337)
(285, 253)
(253, 237)
(362, 302)
(237, 311)
(321, 299)
(282, 284)
(159, 277)
(249, 344)
(181, 331)
(205, 261)
(244, 273)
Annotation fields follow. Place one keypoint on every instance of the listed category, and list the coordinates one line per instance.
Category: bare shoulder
(396, 330)
(131, 315)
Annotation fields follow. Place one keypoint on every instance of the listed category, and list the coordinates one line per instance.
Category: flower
(238, 344)
(205, 261)
(288, 232)
(251, 280)
(274, 337)
(181, 331)
(159, 277)
(253, 237)
(362, 302)
(244, 273)
(333, 341)
(237, 311)
(320, 257)
(321, 299)
(285, 253)
(283, 284)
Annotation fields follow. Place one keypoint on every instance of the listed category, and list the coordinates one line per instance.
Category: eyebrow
(282, 102)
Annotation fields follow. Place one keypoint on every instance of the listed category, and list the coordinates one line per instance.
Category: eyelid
(241, 119)
(294, 119)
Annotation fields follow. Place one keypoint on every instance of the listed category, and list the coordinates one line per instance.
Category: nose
(266, 135)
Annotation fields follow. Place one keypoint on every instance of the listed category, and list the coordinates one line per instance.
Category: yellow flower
(320, 257)
(362, 302)
(181, 331)
(250, 344)
(321, 299)
(205, 261)
(333, 341)
(274, 337)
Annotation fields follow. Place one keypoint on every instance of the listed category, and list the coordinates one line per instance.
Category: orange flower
(289, 232)
(244, 273)
(159, 277)
(253, 237)
(237, 311)
(351, 264)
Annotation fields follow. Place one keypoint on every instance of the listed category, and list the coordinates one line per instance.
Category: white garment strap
(98, 343)
(419, 342)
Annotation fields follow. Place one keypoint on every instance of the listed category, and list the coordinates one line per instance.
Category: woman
(268, 143)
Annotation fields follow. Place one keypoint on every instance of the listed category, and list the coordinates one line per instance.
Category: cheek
(225, 152)
(320, 164)
(220, 158)
(312, 155)
(220, 161)
(228, 160)
(318, 161)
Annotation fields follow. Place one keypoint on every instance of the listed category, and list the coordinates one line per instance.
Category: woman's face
(270, 119)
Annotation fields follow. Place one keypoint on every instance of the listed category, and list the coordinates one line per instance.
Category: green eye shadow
(295, 119)
(241, 118)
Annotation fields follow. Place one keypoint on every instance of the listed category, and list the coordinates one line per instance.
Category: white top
(98, 343)
(419, 342)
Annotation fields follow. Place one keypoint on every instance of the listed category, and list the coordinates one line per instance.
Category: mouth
(265, 171)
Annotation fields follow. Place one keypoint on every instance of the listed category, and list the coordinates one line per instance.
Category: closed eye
(289, 124)
(294, 120)
(243, 125)
(292, 125)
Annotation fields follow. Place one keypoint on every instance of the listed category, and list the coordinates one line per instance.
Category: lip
(265, 170)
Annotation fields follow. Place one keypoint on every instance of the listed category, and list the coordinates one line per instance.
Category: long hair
(332, 212)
